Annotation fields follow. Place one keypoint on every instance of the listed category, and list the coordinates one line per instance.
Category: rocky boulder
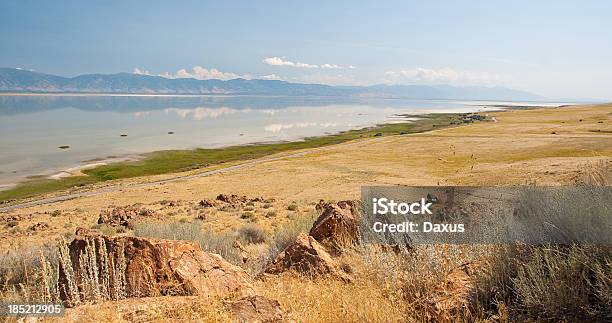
(207, 203)
(40, 226)
(338, 224)
(124, 216)
(255, 309)
(233, 199)
(306, 256)
(103, 267)
(237, 201)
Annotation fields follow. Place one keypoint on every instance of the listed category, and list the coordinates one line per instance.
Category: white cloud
(331, 66)
(201, 73)
(197, 72)
(277, 61)
(140, 72)
(438, 76)
(281, 61)
(305, 65)
(271, 77)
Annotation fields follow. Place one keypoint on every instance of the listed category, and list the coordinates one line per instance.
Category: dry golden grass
(159, 309)
(329, 300)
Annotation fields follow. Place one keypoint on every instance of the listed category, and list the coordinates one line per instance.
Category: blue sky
(560, 49)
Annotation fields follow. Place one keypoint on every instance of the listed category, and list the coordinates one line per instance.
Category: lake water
(33, 127)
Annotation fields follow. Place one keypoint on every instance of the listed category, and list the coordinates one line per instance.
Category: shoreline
(74, 168)
(177, 161)
(203, 159)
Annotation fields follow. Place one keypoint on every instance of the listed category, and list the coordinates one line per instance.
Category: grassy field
(172, 161)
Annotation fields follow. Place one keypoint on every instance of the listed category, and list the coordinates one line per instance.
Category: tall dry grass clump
(597, 173)
(50, 276)
(566, 283)
(329, 300)
(29, 275)
(100, 273)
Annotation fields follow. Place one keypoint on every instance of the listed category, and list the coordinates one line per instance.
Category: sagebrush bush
(252, 233)
(566, 282)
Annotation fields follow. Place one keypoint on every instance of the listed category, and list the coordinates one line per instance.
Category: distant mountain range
(19, 80)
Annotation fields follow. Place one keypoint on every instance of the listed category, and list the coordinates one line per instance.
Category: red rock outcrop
(124, 216)
(307, 256)
(255, 309)
(237, 201)
(233, 199)
(338, 224)
(39, 226)
(120, 267)
(207, 203)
